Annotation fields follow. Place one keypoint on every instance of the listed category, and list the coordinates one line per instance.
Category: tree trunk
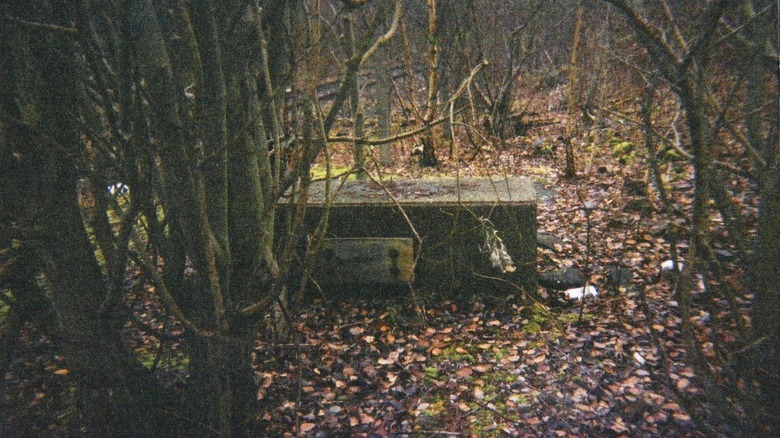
(765, 283)
(384, 107)
(570, 170)
(358, 120)
(253, 269)
(211, 405)
(428, 158)
(113, 397)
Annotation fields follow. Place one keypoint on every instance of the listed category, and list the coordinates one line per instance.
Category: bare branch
(44, 26)
(401, 136)
(382, 40)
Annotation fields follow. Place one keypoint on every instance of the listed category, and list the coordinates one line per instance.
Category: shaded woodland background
(145, 145)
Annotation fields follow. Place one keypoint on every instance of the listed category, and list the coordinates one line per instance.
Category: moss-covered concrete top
(440, 192)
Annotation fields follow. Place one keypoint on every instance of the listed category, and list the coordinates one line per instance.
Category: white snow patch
(577, 293)
(668, 265)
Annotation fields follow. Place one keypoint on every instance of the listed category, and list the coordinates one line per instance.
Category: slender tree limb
(38, 25)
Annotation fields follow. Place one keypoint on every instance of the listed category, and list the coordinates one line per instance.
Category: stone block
(453, 220)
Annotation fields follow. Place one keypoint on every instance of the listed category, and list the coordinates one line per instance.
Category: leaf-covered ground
(493, 366)
(470, 369)
(479, 365)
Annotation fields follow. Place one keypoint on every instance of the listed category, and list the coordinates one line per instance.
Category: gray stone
(452, 219)
(548, 241)
(561, 279)
(618, 276)
(365, 261)
(723, 255)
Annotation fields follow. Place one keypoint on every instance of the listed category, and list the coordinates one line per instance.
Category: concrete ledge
(450, 219)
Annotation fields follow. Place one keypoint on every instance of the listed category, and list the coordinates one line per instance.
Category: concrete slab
(454, 220)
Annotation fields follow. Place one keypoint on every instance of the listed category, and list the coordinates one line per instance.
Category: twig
(45, 26)
(168, 300)
(401, 136)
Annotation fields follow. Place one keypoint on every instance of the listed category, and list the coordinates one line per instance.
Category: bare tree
(428, 158)
(182, 104)
(683, 53)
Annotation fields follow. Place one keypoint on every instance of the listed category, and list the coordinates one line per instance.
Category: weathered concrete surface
(448, 217)
(365, 260)
(441, 192)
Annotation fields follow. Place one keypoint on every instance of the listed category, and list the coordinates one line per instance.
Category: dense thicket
(200, 114)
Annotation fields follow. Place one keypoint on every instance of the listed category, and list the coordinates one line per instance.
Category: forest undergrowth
(479, 364)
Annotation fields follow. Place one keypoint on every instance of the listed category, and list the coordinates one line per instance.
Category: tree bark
(428, 158)
(765, 283)
(570, 170)
(358, 120)
(113, 397)
(384, 108)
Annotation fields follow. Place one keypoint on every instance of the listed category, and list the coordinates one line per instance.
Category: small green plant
(672, 155)
(433, 415)
(519, 399)
(500, 353)
(456, 353)
(541, 170)
(623, 151)
(3, 306)
(539, 315)
(500, 376)
(431, 373)
(168, 359)
(570, 318)
(320, 172)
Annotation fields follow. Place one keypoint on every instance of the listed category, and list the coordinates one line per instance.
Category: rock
(638, 204)
(618, 276)
(561, 279)
(723, 255)
(547, 241)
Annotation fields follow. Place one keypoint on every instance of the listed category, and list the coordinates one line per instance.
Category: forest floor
(480, 365)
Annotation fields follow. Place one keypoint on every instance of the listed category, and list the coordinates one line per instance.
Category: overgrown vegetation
(147, 287)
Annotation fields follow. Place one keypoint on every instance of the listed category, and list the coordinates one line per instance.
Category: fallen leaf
(619, 425)
(681, 416)
(356, 331)
(391, 359)
(464, 372)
